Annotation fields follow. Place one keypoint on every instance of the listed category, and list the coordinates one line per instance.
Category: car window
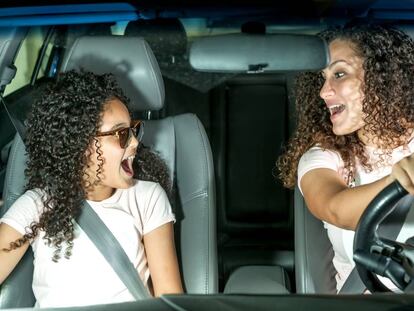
(26, 59)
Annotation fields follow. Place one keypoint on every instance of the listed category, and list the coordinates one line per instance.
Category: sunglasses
(125, 134)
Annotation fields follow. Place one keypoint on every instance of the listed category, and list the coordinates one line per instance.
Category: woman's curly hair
(61, 126)
(388, 87)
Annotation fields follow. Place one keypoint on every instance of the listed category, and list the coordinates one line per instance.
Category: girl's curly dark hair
(388, 86)
(61, 126)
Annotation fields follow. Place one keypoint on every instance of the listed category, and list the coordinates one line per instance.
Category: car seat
(180, 140)
(314, 271)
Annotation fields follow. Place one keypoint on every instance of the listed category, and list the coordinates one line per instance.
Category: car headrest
(407, 28)
(130, 59)
(166, 36)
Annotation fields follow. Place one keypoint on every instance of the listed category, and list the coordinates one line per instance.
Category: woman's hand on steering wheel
(403, 172)
(376, 255)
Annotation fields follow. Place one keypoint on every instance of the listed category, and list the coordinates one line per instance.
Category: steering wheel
(375, 255)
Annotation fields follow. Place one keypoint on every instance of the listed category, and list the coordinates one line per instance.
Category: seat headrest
(130, 59)
(168, 40)
(165, 36)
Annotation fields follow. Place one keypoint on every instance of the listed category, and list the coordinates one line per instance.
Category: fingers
(403, 171)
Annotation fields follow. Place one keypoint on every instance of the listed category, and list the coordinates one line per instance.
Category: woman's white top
(86, 278)
(341, 239)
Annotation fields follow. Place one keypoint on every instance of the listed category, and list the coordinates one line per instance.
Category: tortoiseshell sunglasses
(124, 134)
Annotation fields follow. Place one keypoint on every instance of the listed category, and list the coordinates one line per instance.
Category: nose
(326, 90)
(133, 141)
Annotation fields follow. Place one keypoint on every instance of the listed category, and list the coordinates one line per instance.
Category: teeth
(334, 108)
(130, 160)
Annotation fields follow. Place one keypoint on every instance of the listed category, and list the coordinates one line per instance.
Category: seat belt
(389, 228)
(19, 127)
(101, 236)
(113, 252)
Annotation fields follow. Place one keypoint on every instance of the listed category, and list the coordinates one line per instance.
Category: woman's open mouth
(335, 110)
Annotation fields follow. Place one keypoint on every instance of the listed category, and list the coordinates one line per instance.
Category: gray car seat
(180, 140)
(314, 271)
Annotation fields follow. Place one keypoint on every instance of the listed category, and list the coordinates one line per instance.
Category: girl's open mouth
(126, 165)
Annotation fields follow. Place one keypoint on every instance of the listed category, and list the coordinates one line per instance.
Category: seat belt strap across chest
(20, 129)
(113, 252)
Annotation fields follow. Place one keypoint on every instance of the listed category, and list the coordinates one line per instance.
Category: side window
(43, 62)
(26, 59)
(18, 93)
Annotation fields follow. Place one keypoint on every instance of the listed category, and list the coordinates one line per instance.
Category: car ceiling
(221, 13)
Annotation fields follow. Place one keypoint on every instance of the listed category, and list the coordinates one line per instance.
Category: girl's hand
(403, 171)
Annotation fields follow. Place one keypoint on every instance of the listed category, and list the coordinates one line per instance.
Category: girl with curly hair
(81, 144)
(355, 131)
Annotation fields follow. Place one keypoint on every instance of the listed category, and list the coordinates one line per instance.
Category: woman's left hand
(403, 171)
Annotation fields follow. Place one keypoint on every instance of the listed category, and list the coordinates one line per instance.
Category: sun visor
(257, 53)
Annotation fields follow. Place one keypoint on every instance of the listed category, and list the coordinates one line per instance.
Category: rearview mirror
(257, 53)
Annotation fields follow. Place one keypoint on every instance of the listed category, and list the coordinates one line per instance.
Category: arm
(329, 198)
(162, 260)
(9, 260)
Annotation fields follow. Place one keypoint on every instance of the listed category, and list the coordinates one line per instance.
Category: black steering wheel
(375, 255)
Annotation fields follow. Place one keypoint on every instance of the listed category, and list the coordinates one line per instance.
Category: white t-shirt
(86, 278)
(341, 239)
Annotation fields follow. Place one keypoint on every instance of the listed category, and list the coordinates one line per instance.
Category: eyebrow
(118, 126)
(338, 61)
(333, 64)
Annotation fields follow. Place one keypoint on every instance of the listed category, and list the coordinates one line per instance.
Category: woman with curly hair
(81, 144)
(355, 131)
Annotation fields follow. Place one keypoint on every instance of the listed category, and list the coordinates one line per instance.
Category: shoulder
(144, 192)
(153, 204)
(142, 187)
(37, 195)
(25, 210)
(32, 197)
(317, 157)
(149, 203)
(320, 156)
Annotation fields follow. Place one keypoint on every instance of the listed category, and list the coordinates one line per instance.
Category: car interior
(239, 234)
(216, 92)
(246, 223)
